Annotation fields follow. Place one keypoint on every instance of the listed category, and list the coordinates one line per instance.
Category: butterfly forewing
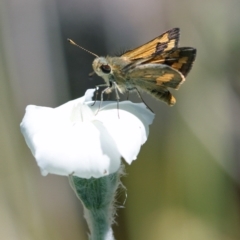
(164, 42)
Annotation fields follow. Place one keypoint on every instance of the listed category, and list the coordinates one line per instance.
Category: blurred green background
(185, 182)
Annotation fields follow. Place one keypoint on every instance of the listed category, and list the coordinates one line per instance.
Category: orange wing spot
(164, 38)
(181, 61)
(156, 60)
(172, 101)
(145, 54)
(164, 78)
(170, 45)
(176, 65)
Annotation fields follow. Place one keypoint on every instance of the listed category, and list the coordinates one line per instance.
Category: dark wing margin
(180, 59)
(163, 94)
(165, 42)
(173, 39)
(185, 56)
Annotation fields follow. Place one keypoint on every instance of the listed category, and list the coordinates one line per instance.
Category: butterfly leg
(106, 90)
(127, 95)
(117, 95)
(96, 90)
(140, 96)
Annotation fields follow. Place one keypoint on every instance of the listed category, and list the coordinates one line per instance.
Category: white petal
(70, 139)
(128, 126)
(63, 147)
(78, 151)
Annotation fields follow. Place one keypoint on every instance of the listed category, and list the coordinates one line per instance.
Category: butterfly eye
(106, 68)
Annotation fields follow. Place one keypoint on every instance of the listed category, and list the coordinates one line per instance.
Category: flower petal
(70, 139)
(128, 126)
(80, 148)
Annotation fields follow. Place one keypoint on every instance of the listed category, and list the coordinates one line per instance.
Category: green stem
(99, 224)
(97, 196)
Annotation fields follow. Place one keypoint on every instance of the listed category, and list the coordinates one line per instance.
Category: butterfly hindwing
(162, 93)
(180, 59)
(155, 79)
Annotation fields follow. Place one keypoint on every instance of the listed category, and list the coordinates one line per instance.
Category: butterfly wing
(180, 59)
(156, 66)
(155, 79)
(162, 43)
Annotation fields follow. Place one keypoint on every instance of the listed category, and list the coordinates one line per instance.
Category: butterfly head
(101, 67)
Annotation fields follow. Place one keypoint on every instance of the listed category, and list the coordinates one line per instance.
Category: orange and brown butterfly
(153, 67)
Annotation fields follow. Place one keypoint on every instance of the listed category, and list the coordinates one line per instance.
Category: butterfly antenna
(73, 43)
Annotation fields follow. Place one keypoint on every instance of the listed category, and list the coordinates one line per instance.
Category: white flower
(71, 139)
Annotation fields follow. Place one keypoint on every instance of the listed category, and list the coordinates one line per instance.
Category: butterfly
(154, 67)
